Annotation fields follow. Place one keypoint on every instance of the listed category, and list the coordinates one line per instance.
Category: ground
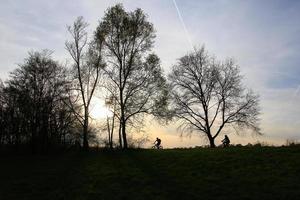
(231, 173)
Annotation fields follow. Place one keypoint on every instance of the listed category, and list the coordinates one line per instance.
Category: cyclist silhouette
(157, 143)
(226, 141)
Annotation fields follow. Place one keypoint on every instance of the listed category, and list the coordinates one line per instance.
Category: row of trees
(32, 105)
(44, 103)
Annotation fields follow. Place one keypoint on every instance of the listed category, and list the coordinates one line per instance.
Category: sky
(262, 36)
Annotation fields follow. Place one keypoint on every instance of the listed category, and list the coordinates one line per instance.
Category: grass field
(232, 173)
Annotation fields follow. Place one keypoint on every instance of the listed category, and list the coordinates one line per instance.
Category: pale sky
(263, 36)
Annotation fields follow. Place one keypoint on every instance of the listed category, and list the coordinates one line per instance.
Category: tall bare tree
(87, 70)
(131, 68)
(208, 96)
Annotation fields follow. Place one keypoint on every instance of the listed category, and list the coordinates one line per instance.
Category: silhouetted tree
(86, 69)
(2, 113)
(208, 95)
(33, 107)
(110, 121)
(128, 38)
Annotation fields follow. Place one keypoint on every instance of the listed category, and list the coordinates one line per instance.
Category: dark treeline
(45, 105)
(32, 105)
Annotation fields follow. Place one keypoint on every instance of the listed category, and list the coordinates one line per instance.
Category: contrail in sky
(183, 24)
(294, 96)
(297, 91)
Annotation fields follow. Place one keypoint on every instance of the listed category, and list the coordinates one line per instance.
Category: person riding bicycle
(157, 143)
(226, 141)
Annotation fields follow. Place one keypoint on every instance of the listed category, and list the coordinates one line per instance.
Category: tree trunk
(124, 135)
(85, 130)
(123, 124)
(120, 136)
(108, 130)
(112, 131)
(211, 141)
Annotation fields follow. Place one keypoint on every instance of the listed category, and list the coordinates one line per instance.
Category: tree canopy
(134, 75)
(208, 95)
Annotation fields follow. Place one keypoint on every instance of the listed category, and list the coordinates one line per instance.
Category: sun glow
(98, 110)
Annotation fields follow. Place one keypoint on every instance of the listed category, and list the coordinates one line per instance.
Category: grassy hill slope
(233, 173)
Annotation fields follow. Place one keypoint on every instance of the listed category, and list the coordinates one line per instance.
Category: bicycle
(225, 145)
(155, 147)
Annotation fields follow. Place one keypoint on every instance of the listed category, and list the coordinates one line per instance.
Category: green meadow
(230, 173)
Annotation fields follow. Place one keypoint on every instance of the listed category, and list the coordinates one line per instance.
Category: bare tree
(131, 68)
(208, 96)
(87, 69)
(110, 121)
